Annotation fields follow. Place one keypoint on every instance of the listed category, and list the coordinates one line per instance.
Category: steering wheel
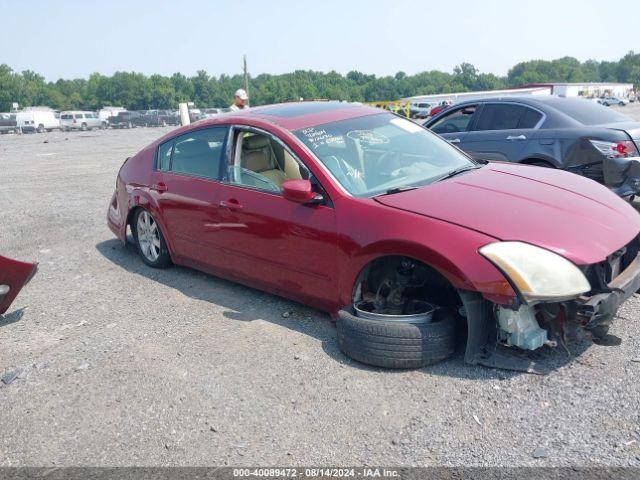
(391, 157)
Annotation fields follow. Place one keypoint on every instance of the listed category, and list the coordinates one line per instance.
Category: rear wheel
(40, 128)
(83, 127)
(149, 240)
(103, 126)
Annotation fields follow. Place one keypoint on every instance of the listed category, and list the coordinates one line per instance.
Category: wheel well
(130, 216)
(538, 161)
(425, 282)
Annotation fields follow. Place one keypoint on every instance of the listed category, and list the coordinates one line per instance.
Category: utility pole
(246, 76)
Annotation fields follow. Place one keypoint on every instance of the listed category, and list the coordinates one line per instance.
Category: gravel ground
(120, 364)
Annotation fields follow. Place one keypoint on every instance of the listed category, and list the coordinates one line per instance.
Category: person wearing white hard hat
(239, 100)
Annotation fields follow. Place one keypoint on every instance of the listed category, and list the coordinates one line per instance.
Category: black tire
(84, 127)
(397, 345)
(103, 126)
(40, 128)
(164, 258)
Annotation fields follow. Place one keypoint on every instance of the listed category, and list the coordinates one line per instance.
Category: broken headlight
(536, 273)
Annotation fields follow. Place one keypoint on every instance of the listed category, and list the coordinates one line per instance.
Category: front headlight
(538, 274)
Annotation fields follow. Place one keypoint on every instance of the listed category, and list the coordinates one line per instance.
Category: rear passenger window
(530, 118)
(500, 117)
(78, 115)
(198, 153)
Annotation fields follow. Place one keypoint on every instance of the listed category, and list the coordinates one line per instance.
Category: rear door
(454, 125)
(186, 188)
(502, 131)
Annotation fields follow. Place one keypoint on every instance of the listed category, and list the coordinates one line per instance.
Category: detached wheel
(149, 240)
(395, 344)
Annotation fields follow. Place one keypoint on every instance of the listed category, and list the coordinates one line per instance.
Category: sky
(73, 38)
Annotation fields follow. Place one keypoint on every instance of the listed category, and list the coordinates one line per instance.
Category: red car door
(13, 276)
(276, 244)
(185, 185)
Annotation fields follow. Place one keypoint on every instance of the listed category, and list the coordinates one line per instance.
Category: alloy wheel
(148, 236)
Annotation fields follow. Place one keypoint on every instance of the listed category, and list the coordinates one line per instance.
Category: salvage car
(13, 276)
(406, 241)
(564, 133)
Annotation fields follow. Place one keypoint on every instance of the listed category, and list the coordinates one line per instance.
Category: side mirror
(300, 191)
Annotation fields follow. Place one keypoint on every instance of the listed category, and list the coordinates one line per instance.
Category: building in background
(451, 98)
(587, 90)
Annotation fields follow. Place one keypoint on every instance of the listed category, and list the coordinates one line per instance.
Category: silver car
(78, 120)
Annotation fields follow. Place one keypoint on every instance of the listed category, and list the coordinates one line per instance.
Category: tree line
(137, 91)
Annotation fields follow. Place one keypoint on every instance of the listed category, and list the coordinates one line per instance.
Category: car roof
(297, 115)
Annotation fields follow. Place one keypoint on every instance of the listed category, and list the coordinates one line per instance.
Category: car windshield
(377, 153)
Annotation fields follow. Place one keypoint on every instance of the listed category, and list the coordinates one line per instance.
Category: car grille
(601, 274)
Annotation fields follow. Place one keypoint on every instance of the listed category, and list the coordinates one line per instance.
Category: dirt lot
(120, 364)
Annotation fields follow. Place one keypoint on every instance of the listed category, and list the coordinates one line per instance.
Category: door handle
(454, 140)
(159, 187)
(518, 137)
(230, 204)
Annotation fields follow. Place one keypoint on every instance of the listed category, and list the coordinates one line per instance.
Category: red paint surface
(313, 254)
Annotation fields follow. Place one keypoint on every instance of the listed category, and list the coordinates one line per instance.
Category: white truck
(37, 120)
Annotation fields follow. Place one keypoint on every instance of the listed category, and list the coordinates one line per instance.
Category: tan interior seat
(257, 161)
(291, 167)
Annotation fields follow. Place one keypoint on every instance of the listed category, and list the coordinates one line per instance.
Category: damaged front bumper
(598, 310)
(587, 316)
(622, 175)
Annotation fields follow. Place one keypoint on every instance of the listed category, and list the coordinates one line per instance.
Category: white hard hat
(240, 93)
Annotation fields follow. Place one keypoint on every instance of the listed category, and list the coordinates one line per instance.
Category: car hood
(563, 212)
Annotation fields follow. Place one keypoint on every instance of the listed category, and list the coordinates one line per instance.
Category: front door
(453, 125)
(273, 243)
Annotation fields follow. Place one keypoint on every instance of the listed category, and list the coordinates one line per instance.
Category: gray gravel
(114, 363)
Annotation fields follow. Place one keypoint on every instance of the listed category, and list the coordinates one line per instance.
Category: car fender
(142, 197)
(473, 273)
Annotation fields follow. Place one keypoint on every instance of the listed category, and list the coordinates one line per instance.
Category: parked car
(564, 133)
(37, 121)
(8, 123)
(210, 112)
(420, 109)
(127, 120)
(78, 120)
(105, 112)
(398, 235)
(13, 276)
(159, 118)
(608, 101)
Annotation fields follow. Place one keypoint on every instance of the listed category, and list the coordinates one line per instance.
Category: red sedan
(406, 241)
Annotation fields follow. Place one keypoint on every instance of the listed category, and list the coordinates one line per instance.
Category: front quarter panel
(369, 230)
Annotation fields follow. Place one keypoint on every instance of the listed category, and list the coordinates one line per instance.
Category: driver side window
(455, 122)
(263, 163)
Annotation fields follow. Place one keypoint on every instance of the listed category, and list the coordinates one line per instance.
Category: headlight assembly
(537, 274)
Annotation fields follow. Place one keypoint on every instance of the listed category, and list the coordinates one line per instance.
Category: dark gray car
(571, 134)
